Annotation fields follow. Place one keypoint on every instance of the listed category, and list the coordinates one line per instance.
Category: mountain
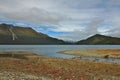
(10, 34)
(101, 40)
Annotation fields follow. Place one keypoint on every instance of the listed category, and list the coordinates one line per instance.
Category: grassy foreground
(29, 66)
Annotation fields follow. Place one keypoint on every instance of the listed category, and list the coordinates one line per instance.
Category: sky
(69, 20)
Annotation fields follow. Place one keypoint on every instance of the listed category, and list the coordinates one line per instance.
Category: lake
(52, 50)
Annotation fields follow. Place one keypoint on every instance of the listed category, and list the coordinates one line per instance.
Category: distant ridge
(100, 40)
(16, 35)
(10, 34)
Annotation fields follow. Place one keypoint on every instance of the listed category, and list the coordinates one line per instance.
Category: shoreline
(98, 59)
(98, 55)
(112, 53)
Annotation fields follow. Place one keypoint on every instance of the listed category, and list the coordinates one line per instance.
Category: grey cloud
(80, 3)
(53, 12)
(29, 11)
(113, 3)
(10, 5)
(115, 32)
(34, 15)
(93, 25)
(91, 29)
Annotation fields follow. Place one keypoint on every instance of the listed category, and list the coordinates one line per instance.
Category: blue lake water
(51, 50)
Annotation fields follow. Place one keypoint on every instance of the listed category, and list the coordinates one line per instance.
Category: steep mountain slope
(100, 39)
(10, 34)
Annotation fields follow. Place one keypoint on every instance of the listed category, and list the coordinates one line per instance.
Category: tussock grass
(112, 53)
(60, 69)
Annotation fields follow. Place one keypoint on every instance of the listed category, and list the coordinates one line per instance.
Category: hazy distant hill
(10, 34)
(100, 39)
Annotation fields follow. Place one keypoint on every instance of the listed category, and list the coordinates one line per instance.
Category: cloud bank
(68, 20)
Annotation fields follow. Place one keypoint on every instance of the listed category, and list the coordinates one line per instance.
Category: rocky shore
(98, 59)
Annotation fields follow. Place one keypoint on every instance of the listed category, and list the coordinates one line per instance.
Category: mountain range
(10, 34)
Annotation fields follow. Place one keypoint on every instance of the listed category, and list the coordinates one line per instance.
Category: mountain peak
(100, 39)
(98, 35)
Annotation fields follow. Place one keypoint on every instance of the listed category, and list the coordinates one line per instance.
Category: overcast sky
(70, 20)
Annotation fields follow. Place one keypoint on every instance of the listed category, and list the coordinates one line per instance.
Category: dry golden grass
(60, 69)
(113, 53)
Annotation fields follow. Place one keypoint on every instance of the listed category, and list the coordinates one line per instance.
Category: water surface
(51, 50)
